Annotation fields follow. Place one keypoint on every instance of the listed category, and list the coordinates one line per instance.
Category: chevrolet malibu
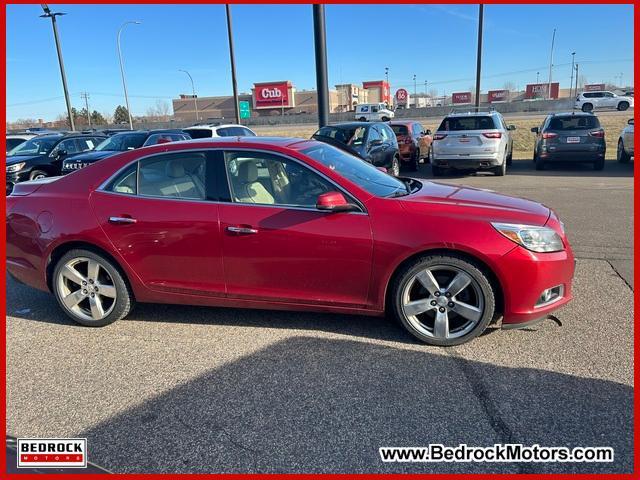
(285, 224)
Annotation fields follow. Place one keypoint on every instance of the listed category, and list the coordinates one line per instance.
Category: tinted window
(235, 132)
(13, 143)
(467, 123)
(350, 136)
(36, 146)
(385, 133)
(163, 138)
(180, 175)
(400, 129)
(574, 122)
(261, 178)
(373, 135)
(199, 132)
(122, 142)
(88, 143)
(70, 146)
(361, 173)
(126, 182)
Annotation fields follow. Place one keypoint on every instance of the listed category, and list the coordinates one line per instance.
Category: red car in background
(285, 224)
(414, 141)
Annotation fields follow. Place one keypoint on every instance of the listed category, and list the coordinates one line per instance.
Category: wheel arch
(493, 278)
(60, 250)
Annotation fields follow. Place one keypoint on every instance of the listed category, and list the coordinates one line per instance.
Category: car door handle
(122, 220)
(242, 230)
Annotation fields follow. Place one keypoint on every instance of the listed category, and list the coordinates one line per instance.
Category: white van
(376, 112)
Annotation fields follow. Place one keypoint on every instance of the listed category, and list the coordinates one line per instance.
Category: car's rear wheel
(587, 107)
(443, 299)
(415, 160)
(501, 170)
(622, 106)
(362, 119)
(598, 164)
(38, 174)
(395, 166)
(90, 289)
(509, 159)
(385, 119)
(622, 155)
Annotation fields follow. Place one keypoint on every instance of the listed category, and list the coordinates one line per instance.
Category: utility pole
(537, 77)
(124, 82)
(573, 56)
(553, 41)
(52, 16)
(576, 78)
(415, 92)
(195, 97)
(85, 96)
(322, 82)
(479, 56)
(232, 58)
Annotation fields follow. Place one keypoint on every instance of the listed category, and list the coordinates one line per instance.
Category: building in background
(349, 95)
(377, 91)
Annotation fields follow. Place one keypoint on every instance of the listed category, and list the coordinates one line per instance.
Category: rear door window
(200, 132)
(400, 129)
(574, 122)
(454, 124)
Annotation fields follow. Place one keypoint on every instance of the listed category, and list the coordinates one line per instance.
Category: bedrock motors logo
(52, 452)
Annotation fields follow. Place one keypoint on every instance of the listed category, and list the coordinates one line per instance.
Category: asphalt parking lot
(189, 389)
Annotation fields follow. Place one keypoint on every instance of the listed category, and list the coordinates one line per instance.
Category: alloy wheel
(443, 302)
(86, 289)
(395, 167)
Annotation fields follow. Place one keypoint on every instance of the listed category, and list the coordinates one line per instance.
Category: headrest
(175, 169)
(247, 172)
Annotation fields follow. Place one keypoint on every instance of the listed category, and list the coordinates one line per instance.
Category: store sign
(539, 90)
(402, 96)
(271, 95)
(245, 109)
(498, 96)
(461, 97)
(385, 91)
(594, 87)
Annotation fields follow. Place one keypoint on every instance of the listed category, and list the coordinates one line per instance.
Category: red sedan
(285, 224)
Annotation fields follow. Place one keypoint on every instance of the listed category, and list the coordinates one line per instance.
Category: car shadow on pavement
(326, 405)
(527, 167)
(45, 309)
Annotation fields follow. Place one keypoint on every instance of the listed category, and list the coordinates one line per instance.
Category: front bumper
(17, 177)
(525, 275)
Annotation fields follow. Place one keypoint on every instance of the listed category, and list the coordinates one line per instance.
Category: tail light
(547, 135)
(439, 136)
(597, 133)
(493, 134)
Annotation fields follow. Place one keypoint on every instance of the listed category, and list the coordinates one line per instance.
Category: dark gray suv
(573, 137)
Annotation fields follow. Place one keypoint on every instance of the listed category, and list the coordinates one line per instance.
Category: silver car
(473, 140)
(625, 143)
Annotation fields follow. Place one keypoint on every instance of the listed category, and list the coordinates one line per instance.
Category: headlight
(16, 167)
(536, 239)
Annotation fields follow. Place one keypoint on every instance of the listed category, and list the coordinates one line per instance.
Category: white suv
(625, 143)
(588, 101)
(213, 130)
(373, 112)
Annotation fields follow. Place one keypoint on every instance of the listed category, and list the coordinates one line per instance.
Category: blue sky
(275, 42)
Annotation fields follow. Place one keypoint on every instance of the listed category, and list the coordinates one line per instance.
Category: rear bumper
(464, 163)
(570, 156)
(407, 152)
(525, 275)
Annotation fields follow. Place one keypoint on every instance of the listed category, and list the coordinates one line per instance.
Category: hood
(478, 204)
(91, 156)
(13, 159)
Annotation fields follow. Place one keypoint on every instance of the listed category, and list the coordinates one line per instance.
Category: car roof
(214, 126)
(402, 122)
(275, 141)
(352, 124)
(566, 114)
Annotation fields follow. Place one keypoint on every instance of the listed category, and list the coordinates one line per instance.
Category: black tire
(123, 302)
(599, 164)
(413, 163)
(437, 171)
(501, 170)
(36, 174)
(622, 106)
(622, 155)
(587, 107)
(470, 268)
(362, 119)
(539, 163)
(510, 159)
(385, 119)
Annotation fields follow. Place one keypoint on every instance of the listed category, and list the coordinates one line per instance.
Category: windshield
(357, 171)
(36, 146)
(467, 123)
(349, 136)
(400, 129)
(122, 142)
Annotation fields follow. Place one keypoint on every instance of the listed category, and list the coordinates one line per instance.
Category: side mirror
(511, 127)
(334, 202)
(630, 122)
(535, 130)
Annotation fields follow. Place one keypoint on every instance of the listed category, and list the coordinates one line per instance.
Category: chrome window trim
(103, 185)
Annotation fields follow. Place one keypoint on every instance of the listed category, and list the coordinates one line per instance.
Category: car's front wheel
(623, 156)
(38, 174)
(90, 289)
(587, 107)
(622, 106)
(443, 299)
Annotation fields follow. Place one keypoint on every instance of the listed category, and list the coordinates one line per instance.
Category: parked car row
(34, 156)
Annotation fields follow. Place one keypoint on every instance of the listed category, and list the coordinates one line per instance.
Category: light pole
(193, 89)
(322, 77)
(553, 41)
(232, 59)
(415, 92)
(124, 82)
(479, 55)
(573, 57)
(52, 16)
(537, 77)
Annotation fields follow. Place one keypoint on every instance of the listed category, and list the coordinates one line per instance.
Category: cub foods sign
(272, 95)
(461, 97)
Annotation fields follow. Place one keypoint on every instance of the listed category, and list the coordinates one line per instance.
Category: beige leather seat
(248, 189)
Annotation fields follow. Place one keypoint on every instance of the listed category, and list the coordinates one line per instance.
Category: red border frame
(636, 201)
